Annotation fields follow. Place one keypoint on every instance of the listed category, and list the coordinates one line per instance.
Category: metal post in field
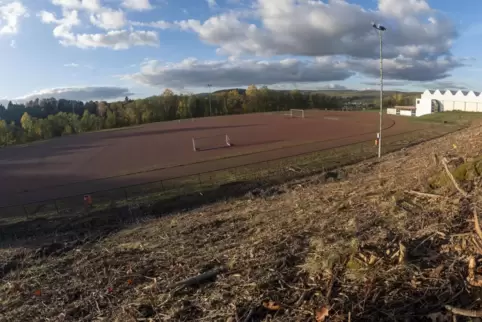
(25, 210)
(380, 29)
(210, 110)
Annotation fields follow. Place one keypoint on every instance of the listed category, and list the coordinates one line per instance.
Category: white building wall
(448, 106)
(459, 106)
(392, 111)
(424, 106)
(471, 107)
(449, 101)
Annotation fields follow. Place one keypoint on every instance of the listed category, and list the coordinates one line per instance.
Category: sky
(109, 49)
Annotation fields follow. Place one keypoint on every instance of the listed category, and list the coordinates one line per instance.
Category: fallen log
(198, 279)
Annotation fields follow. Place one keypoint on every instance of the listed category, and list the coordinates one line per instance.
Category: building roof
(452, 95)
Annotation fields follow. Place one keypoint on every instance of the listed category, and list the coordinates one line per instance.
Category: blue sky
(104, 49)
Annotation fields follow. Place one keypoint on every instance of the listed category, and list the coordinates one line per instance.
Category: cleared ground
(105, 160)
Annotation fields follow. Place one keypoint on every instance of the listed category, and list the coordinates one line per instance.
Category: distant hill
(365, 95)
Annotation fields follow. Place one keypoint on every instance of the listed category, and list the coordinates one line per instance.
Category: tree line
(47, 118)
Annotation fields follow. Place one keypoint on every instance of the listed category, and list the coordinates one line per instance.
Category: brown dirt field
(103, 160)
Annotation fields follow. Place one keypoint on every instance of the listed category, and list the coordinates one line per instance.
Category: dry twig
(474, 280)
(477, 224)
(424, 194)
(200, 278)
(402, 254)
(464, 312)
(459, 189)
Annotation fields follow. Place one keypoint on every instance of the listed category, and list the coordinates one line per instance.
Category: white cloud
(75, 65)
(406, 68)
(81, 93)
(228, 73)
(161, 24)
(333, 28)
(108, 19)
(336, 87)
(212, 3)
(47, 17)
(113, 39)
(90, 5)
(10, 15)
(417, 34)
(13, 43)
(138, 5)
(238, 72)
(406, 8)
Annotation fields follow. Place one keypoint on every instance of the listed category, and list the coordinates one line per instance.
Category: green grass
(453, 117)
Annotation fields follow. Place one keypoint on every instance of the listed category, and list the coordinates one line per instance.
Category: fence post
(26, 211)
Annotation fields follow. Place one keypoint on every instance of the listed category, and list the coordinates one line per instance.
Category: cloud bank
(85, 93)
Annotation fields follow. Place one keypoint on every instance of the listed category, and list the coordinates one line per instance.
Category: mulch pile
(383, 244)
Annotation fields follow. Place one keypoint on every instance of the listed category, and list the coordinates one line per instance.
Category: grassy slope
(288, 251)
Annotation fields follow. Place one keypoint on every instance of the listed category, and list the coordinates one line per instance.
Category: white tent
(438, 101)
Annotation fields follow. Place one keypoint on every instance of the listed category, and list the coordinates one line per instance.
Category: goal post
(297, 113)
(211, 142)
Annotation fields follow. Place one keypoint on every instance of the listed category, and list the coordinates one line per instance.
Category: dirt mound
(376, 242)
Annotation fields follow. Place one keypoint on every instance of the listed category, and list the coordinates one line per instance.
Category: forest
(42, 119)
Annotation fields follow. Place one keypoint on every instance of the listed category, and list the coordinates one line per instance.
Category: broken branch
(424, 194)
(464, 312)
(477, 223)
(474, 280)
(456, 185)
(200, 278)
(402, 257)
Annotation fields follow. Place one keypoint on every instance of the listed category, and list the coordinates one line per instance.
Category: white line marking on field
(331, 118)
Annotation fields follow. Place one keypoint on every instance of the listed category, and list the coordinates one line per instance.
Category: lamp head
(378, 26)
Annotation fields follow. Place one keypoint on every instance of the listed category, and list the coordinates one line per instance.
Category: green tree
(132, 114)
(101, 108)
(6, 134)
(110, 120)
(26, 122)
(90, 122)
(169, 102)
(251, 103)
(234, 102)
(183, 110)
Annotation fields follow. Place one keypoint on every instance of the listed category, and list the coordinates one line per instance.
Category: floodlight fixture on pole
(380, 29)
(210, 110)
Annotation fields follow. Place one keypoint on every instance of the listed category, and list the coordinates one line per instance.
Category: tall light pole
(210, 110)
(380, 29)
